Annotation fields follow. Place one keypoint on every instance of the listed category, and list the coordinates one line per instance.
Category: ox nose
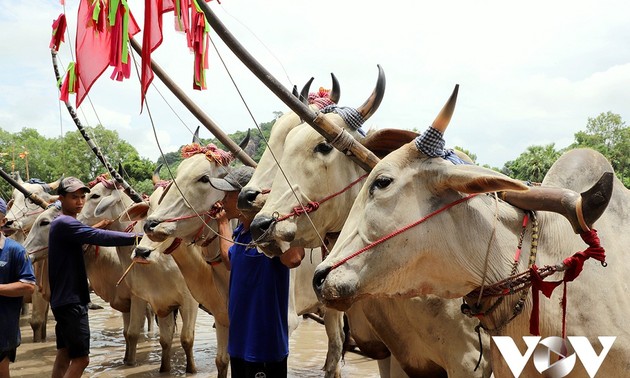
(150, 225)
(143, 252)
(246, 198)
(259, 227)
(9, 223)
(319, 278)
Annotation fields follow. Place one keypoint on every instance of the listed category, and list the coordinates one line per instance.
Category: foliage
(533, 164)
(608, 134)
(472, 156)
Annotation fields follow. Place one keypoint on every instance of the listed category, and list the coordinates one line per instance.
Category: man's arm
(16, 289)
(225, 242)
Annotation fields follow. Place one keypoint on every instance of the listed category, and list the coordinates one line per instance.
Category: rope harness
(314, 205)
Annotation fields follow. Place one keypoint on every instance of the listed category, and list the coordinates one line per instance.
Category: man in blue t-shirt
(69, 291)
(259, 290)
(16, 280)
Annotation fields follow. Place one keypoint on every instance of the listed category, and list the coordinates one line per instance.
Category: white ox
(175, 218)
(21, 215)
(103, 267)
(161, 285)
(207, 280)
(446, 254)
(405, 327)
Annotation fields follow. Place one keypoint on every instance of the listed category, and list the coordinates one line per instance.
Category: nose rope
(401, 230)
(314, 205)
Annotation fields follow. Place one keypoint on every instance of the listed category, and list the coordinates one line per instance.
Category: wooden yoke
(32, 196)
(357, 152)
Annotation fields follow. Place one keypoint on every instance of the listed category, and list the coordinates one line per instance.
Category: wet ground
(306, 357)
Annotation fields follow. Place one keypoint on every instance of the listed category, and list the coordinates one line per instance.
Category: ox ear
(17, 177)
(9, 204)
(137, 211)
(475, 179)
(382, 142)
(104, 204)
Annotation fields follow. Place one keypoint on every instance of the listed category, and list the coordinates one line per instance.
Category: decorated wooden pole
(135, 197)
(32, 196)
(205, 120)
(357, 152)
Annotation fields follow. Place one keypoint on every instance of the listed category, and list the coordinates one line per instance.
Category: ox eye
(381, 182)
(205, 179)
(44, 223)
(95, 196)
(323, 148)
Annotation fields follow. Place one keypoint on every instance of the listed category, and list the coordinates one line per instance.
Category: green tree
(608, 134)
(533, 164)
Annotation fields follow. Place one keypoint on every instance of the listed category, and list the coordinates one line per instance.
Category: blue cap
(3, 207)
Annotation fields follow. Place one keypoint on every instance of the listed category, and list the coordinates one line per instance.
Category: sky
(530, 73)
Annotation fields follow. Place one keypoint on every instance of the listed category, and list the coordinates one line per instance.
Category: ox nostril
(246, 198)
(319, 278)
(260, 225)
(149, 225)
(9, 223)
(143, 252)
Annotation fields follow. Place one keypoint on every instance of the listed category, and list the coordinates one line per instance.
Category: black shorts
(10, 354)
(245, 369)
(73, 329)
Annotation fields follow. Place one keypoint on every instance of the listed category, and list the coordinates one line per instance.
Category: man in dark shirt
(16, 280)
(69, 291)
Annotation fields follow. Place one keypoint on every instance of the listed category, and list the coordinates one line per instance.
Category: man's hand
(103, 224)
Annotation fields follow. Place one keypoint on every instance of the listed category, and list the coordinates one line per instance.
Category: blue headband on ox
(350, 116)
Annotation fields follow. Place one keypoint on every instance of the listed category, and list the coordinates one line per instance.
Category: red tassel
(59, 30)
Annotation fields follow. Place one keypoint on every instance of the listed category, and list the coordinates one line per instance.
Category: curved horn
(335, 93)
(442, 120)
(196, 136)
(245, 140)
(156, 174)
(295, 92)
(55, 184)
(304, 93)
(18, 178)
(121, 171)
(370, 106)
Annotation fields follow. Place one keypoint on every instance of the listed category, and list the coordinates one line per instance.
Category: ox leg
(187, 337)
(333, 321)
(167, 329)
(39, 316)
(150, 316)
(384, 367)
(135, 326)
(125, 316)
(223, 359)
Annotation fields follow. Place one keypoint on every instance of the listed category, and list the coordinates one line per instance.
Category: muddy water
(307, 351)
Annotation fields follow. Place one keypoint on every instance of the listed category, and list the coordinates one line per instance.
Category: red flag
(152, 37)
(59, 29)
(102, 36)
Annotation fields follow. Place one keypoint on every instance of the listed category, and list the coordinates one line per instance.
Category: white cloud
(530, 73)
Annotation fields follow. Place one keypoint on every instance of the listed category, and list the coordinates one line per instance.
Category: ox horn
(295, 92)
(55, 184)
(196, 136)
(442, 120)
(304, 93)
(121, 171)
(370, 106)
(17, 176)
(156, 174)
(335, 93)
(245, 140)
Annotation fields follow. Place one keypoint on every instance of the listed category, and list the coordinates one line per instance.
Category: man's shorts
(8, 354)
(244, 369)
(73, 329)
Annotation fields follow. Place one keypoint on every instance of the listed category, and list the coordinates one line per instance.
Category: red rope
(401, 230)
(314, 205)
(574, 265)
